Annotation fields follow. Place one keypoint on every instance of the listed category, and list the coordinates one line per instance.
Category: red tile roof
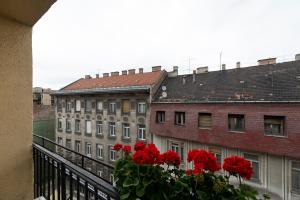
(148, 78)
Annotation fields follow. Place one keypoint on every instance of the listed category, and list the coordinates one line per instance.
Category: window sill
(88, 134)
(232, 131)
(180, 125)
(112, 137)
(99, 135)
(77, 132)
(59, 130)
(69, 131)
(126, 139)
(277, 136)
(205, 128)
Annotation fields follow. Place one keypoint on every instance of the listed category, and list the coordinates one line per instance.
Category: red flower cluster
(117, 147)
(127, 148)
(203, 160)
(139, 146)
(146, 155)
(170, 158)
(236, 165)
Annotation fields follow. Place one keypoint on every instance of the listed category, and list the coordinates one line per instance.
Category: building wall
(274, 170)
(16, 177)
(133, 119)
(46, 99)
(220, 135)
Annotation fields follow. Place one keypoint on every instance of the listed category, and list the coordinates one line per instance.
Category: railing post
(63, 181)
(43, 142)
(82, 162)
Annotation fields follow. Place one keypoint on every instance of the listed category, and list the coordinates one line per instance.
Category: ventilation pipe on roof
(267, 61)
(183, 80)
(97, 75)
(87, 77)
(238, 65)
(105, 74)
(173, 73)
(223, 66)
(131, 71)
(124, 72)
(194, 76)
(141, 70)
(297, 56)
(156, 68)
(201, 70)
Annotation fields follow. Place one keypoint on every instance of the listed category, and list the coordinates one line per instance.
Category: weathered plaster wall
(16, 172)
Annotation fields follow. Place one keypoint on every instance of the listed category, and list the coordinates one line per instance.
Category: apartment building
(93, 114)
(252, 112)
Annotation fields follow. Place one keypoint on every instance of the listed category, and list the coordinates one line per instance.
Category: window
(274, 125)
(126, 130)
(142, 107)
(180, 118)
(112, 107)
(125, 106)
(59, 141)
(112, 154)
(59, 105)
(88, 106)
(77, 146)
(78, 105)
(99, 128)
(160, 116)
(255, 165)
(99, 151)
(99, 106)
(217, 151)
(141, 132)
(296, 177)
(68, 125)
(68, 106)
(112, 129)
(77, 125)
(59, 124)
(68, 143)
(204, 120)
(88, 127)
(88, 149)
(174, 146)
(236, 122)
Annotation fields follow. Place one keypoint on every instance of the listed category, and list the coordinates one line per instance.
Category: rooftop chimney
(238, 65)
(87, 77)
(124, 72)
(183, 80)
(131, 71)
(105, 74)
(173, 73)
(267, 61)
(194, 76)
(297, 56)
(97, 75)
(223, 66)
(156, 68)
(114, 73)
(201, 70)
(141, 70)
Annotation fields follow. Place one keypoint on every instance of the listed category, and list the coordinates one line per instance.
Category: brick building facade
(252, 112)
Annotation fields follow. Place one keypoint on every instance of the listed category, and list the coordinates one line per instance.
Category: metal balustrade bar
(58, 178)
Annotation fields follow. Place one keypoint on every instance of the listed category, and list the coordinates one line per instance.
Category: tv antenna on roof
(220, 60)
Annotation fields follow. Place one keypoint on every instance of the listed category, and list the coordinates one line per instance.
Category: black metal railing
(98, 168)
(58, 178)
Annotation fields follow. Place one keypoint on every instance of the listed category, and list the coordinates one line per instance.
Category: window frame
(59, 124)
(88, 149)
(112, 109)
(99, 151)
(112, 129)
(177, 113)
(297, 170)
(77, 149)
(142, 131)
(139, 111)
(160, 117)
(97, 106)
(77, 124)
(77, 105)
(112, 152)
(86, 106)
(68, 106)
(236, 116)
(256, 180)
(204, 114)
(68, 125)
(68, 142)
(126, 126)
(99, 128)
(282, 125)
(86, 129)
(122, 107)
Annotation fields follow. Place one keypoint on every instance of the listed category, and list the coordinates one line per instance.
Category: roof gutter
(103, 90)
(225, 102)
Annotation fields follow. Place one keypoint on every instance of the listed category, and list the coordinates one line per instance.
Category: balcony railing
(56, 177)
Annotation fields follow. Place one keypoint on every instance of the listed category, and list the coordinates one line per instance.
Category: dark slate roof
(265, 83)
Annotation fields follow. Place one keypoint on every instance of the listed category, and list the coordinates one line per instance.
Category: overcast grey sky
(78, 37)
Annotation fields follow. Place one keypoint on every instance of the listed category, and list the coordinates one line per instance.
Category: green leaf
(140, 190)
(130, 181)
(125, 196)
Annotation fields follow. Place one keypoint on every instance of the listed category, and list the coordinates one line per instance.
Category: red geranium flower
(236, 165)
(147, 155)
(139, 146)
(171, 158)
(127, 149)
(207, 160)
(117, 147)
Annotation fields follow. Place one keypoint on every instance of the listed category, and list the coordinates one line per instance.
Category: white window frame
(181, 116)
(59, 124)
(112, 129)
(99, 127)
(88, 149)
(77, 105)
(88, 128)
(77, 125)
(60, 140)
(257, 180)
(86, 103)
(141, 132)
(126, 130)
(112, 107)
(99, 106)
(293, 189)
(68, 128)
(141, 107)
(112, 154)
(69, 142)
(68, 106)
(77, 146)
(99, 151)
